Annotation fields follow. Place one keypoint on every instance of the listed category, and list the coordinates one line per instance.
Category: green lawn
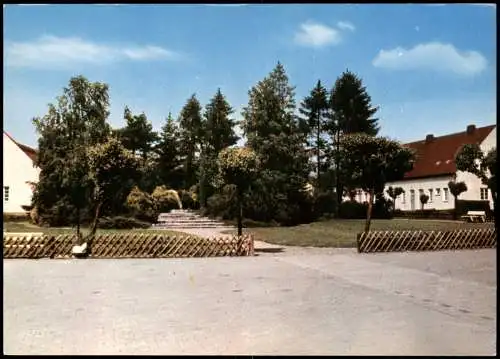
(21, 227)
(342, 233)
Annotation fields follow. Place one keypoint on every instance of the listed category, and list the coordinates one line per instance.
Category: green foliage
(138, 134)
(166, 199)
(314, 109)
(324, 203)
(424, 199)
(142, 206)
(168, 149)
(120, 222)
(273, 131)
(471, 159)
(238, 166)
(387, 161)
(350, 112)
(394, 192)
(218, 134)
(191, 134)
(457, 188)
(189, 199)
(78, 120)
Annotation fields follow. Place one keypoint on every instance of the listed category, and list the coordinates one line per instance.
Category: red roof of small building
(436, 155)
(29, 151)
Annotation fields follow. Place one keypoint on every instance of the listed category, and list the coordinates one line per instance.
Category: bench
(474, 216)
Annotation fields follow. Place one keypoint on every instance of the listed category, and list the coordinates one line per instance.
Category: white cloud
(317, 35)
(346, 25)
(56, 52)
(432, 56)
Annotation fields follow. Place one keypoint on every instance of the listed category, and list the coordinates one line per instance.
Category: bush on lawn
(352, 210)
(325, 204)
(166, 199)
(141, 206)
(121, 222)
(189, 199)
(425, 214)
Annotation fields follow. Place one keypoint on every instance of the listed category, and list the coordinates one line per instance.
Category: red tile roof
(437, 156)
(29, 151)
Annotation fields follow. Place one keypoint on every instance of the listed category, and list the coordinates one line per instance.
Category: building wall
(17, 170)
(474, 184)
(439, 199)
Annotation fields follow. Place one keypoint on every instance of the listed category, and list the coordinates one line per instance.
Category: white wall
(436, 184)
(473, 183)
(17, 170)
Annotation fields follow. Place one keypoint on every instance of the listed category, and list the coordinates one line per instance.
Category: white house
(435, 167)
(18, 172)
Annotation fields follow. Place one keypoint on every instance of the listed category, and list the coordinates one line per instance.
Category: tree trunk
(454, 208)
(318, 154)
(240, 213)
(79, 240)
(369, 211)
(337, 181)
(93, 228)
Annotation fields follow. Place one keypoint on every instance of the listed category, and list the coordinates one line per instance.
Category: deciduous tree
(372, 162)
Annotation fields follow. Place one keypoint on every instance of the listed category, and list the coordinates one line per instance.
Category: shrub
(223, 204)
(189, 200)
(382, 208)
(352, 210)
(34, 218)
(121, 222)
(325, 203)
(141, 205)
(166, 199)
(16, 217)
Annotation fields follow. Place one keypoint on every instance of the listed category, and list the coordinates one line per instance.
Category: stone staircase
(184, 218)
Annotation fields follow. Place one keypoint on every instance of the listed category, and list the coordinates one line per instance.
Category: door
(412, 199)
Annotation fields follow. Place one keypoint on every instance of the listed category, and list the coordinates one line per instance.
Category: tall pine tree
(274, 133)
(351, 111)
(218, 134)
(191, 132)
(314, 109)
(137, 135)
(169, 155)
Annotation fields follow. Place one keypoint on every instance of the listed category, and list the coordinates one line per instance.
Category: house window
(6, 192)
(430, 195)
(445, 194)
(438, 192)
(484, 194)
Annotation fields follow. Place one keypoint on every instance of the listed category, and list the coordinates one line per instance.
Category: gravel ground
(311, 301)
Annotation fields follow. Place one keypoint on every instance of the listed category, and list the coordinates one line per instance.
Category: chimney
(471, 129)
(429, 138)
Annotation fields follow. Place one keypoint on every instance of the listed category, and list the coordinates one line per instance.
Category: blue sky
(430, 68)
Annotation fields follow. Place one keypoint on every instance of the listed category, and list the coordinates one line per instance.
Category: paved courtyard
(295, 301)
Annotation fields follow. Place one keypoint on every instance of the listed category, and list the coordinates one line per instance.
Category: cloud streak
(62, 52)
(346, 25)
(432, 56)
(313, 34)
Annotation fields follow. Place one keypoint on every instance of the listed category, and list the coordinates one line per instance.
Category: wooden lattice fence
(399, 241)
(128, 246)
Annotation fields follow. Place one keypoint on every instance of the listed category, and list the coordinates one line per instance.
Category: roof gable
(436, 157)
(29, 151)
